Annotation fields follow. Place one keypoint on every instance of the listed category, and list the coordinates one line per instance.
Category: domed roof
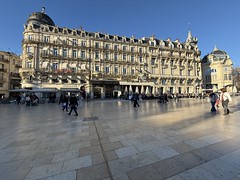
(219, 53)
(39, 18)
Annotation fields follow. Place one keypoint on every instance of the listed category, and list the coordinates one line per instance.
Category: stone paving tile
(197, 173)
(181, 147)
(206, 153)
(44, 171)
(196, 143)
(189, 160)
(168, 167)
(89, 150)
(111, 155)
(142, 147)
(78, 163)
(36, 161)
(232, 159)
(80, 144)
(214, 138)
(94, 172)
(220, 169)
(20, 143)
(15, 174)
(175, 178)
(130, 142)
(117, 138)
(225, 147)
(64, 176)
(126, 151)
(146, 139)
(10, 166)
(112, 146)
(123, 165)
(146, 172)
(57, 149)
(65, 156)
(97, 158)
(237, 177)
(5, 157)
(165, 152)
(59, 133)
(120, 177)
(95, 142)
(161, 140)
(120, 166)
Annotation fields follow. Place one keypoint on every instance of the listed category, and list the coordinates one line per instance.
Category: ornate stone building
(217, 69)
(107, 65)
(9, 72)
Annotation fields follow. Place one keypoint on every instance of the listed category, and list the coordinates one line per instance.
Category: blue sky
(213, 22)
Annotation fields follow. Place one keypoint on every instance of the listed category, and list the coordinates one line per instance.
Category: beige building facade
(217, 69)
(107, 65)
(10, 64)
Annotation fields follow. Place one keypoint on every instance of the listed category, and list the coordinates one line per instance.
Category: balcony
(15, 76)
(165, 66)
(182, 67)
(2, 80)
(190, 67)
(3, 70)
(18, 66)
(4, 60)
(174, 66)
(27, 70)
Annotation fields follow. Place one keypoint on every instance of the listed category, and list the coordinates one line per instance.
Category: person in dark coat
(73, 102)
(19, 99)
(65, 102)
(135, 99)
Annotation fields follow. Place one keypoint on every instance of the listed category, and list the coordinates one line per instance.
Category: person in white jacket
(225, 98)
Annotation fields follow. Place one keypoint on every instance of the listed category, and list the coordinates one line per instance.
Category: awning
(74, 77)
(54, 77)
(44, 90)
(20, 90)
(70, 89)
(94, 82)
(125, 83)
(64, 77)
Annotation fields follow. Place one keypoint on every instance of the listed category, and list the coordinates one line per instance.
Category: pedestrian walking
(213, 99)
(225, 98)
(28, 100)
(19, 98)
(73, 103)
(65, 102)
(135, 99)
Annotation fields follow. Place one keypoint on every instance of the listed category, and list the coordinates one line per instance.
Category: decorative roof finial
(215, 48)
(43, 8)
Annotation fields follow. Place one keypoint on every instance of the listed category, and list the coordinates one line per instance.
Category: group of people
(224, 98)
(31, 100)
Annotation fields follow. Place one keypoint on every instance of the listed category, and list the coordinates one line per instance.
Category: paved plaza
(110, 139)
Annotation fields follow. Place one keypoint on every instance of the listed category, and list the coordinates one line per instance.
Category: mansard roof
(38, 18)
(215, 55)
